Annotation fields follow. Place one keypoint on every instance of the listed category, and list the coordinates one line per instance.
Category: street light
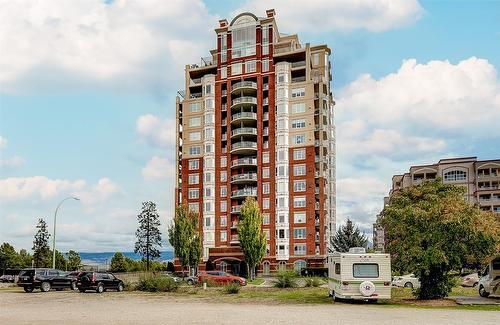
(54, 238)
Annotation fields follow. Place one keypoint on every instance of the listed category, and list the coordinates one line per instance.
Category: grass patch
(296, 295)
(256, 281)
(232, 288)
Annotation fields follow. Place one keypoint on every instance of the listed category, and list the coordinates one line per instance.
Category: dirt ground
(68, 307)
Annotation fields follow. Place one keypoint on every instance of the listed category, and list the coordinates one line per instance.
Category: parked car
(489, 281)
(470, 280)
(74, 275)
(175, 278)
(220, 277)
(191, 280)
(7, 278)
(406, 281)
(99, 281)
(44, 279)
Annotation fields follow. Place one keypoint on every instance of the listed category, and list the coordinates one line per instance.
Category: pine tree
(252, 239)
(148, 233)
(348, 236)
(118, 263)
(74, 260)
(41, 250)
(184, 237)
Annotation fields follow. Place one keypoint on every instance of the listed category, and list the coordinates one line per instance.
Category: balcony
(195, 95)
(243, 162)
(244, 131)
(224, 92)
(244, 147)
(236, 209)
(234, 240)
(244, 86)
(265, 116)
(265, 87)
(224, 137)
(195, 82)
(244, 178)
(242, 101)
(224, 122)
(298, 64)
(234, 225)
(298, 79)
(243, 193)
(244, 116)
(265, 101)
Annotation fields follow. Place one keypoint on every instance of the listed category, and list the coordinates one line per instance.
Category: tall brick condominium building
(256, 119)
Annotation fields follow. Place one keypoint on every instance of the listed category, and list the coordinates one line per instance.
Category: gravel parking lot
(133, 308)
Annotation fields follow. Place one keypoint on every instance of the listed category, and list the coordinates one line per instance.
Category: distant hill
(103, 258)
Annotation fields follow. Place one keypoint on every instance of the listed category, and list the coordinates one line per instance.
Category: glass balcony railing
(244, 115)
(244, 100)
(241, 131)
(251, 191)
(244, 162)
(244, 84)
(244, 177)
(244, 145)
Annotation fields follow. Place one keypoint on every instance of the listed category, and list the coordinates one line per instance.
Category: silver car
(406, 281)
(470, 280)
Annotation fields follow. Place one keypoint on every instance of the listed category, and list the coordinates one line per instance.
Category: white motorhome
(359, 275)
(489, 281)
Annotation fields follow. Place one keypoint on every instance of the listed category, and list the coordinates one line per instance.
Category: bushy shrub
(286, 279)
(210, 283)
(157, 284)
(313, 282)
(232, 288)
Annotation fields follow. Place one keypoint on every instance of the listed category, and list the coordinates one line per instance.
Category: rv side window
(365, 270)
(337, 268)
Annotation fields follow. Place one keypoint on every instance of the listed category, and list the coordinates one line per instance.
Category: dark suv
(98, 281)
(45, 279)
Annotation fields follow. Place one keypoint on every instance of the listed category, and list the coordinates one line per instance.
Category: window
(208, 89)
(207, 221)
(265, 172)
(281, 171)
(365, 270)
(265, 65)
(195, 121)
(298, 124)
(194, 193)
(265, 158)
(243, 41)
(208, 177)
(194, 136)
(223, 236)
(455, 175)
(223, 56)
(223, 41)
(265, 203)
(299, 233)
(209, 133)
(298, 108)
(299, 217)
(223, 191)
(194, 150)
(236, 68)
(210, 104)
(298, 92)
(223, 161)
(265, 188)
(223, 176)
(223, 206)
(208, 191)
(267, 233)
(194, 164)
(210, 119)
(315, 59)
(282, 77)
(194, 207)
(299, 139)
(223, 221)
(299, 265)
(209, 162)
(299, 154)
(299, 249)
(281, 218)
(265, 218)
(250, 66)
(209, 207)
(194, 107)
(299, 170)
(283, 202)
(193, 179)
(299, 202)
(281, 234)
(223, 72)
(265, 49)
(299, 186)
(337, 268)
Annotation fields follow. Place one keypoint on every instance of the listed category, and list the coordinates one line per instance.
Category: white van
(489, 281)
(359, 275)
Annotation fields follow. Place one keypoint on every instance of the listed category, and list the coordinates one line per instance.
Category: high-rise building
(480, 180)
(256, 119)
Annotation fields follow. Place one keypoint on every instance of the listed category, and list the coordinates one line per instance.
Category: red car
(220, 278)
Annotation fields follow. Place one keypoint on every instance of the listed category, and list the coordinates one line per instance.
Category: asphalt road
(135, 308)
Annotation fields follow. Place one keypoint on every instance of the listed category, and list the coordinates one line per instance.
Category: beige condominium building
(256, 120)
(479, 178)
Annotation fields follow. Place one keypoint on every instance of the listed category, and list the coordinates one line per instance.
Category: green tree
(118, 263)
(148, 233)
(61, 263)
(183, 235)
(25, 259)
(252, 239)
(41, 250)
(432, 230)
(8, 257)
(74, 260)
(348, 236)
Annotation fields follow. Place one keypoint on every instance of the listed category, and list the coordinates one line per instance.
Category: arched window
(299, 265)
(267, 267)
(223, 266)
(455, 175)
(282, 266)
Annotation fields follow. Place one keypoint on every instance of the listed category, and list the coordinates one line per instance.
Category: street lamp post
(54, 235)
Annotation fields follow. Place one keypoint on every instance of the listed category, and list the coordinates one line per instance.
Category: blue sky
(87, 101)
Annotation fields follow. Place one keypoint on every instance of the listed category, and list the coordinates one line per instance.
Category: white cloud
(44, 188)
(128, 42)
(158, 168)
(10, 163)
(156, 131)
(339, 15)
(3, 142)
(418, 114)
